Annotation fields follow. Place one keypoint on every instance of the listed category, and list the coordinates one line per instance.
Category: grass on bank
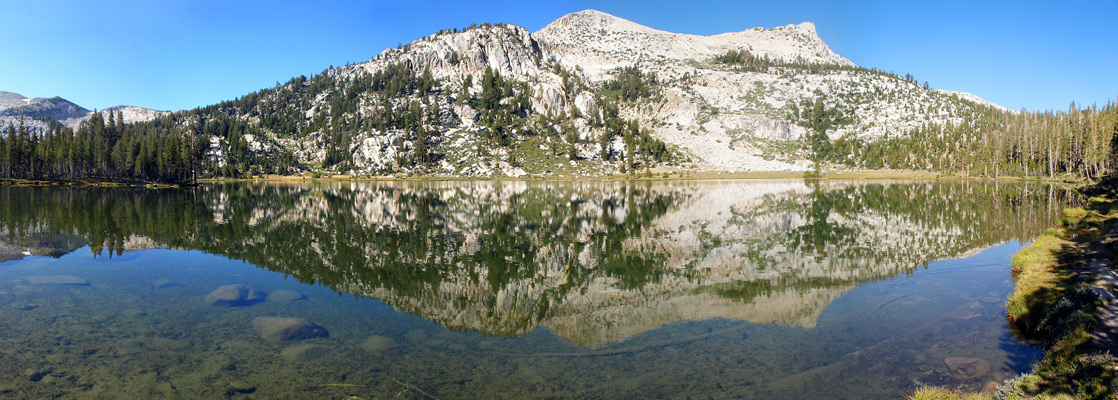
(1040, 282)
(938, 393)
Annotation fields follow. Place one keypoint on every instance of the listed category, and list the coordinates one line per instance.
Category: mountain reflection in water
(595, 262)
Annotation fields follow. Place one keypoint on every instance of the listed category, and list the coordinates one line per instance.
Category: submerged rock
(166, 389)
(304, 352)
(967, 368)
(991, 300)
(234, 296)
(239, 387)
(24, 306)
(285, 296)
(56, 280)
(165, 283)
(376, 343)
(416, 336)
(36, 375)
(285, 329)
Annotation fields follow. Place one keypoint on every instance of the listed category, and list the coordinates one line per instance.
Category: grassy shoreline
(659, 176)
(1055, 303)
(89, 183)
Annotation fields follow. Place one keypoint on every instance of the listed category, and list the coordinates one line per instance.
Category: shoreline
(1065, 299)
(90, 183)
(662, 176)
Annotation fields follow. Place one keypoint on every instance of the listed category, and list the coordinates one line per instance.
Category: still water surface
(711, 289)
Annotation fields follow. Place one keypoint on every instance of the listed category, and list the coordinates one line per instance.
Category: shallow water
(720, 289)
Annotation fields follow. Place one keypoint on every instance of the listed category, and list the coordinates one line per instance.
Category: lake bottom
(137, 326)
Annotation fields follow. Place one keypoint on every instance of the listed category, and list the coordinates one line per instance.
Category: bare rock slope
(728, 117)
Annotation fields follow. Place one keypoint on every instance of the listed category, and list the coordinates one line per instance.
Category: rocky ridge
(730, 118)
(601, 42)
(718, 116)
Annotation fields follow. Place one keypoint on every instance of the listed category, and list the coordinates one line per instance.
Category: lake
(496, 289)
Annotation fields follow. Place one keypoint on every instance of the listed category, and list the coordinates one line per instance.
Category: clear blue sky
(167, 54)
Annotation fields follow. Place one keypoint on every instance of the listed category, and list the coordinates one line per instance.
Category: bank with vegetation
(1060, 303)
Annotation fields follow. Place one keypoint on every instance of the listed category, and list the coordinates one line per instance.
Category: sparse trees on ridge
(1077, 142)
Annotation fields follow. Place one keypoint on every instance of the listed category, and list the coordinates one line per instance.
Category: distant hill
(38, 112)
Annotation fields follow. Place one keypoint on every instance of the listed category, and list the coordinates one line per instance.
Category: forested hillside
(101, 150)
